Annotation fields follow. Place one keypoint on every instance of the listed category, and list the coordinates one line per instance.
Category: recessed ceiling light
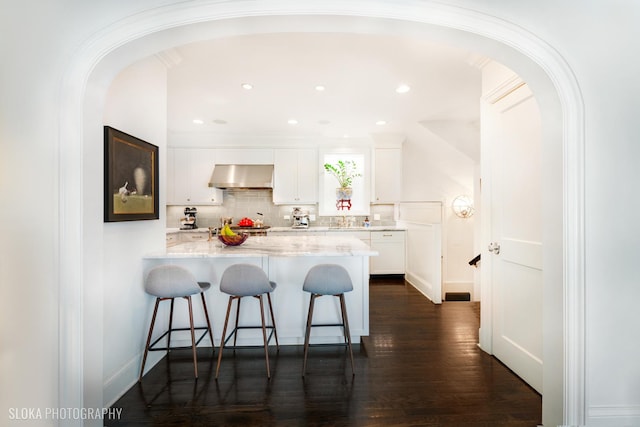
(381, 123)
(198, 121)
(403, 88)
(247, 86)
(346, 135)
(219, 121)
(320, 88)
(292, 121)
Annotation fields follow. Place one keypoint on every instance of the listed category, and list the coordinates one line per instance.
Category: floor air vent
(457, 296)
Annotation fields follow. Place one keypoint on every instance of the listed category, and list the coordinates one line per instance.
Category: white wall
(434, 170)
(135, 104)
(40, 137)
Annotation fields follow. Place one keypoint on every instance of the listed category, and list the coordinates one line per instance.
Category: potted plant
(344, 171)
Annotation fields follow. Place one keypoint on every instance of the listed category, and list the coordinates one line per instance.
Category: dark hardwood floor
(420, 366)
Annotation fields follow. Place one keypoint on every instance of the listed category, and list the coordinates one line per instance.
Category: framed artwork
(130, 177)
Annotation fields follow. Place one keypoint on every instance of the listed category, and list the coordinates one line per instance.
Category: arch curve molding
(134, 28)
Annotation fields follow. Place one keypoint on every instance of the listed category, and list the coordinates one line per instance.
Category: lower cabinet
(365, 236)
(198, 236)
(295, 233)
(389, 244)
(172, 239)
(177, 237)
(391, 248)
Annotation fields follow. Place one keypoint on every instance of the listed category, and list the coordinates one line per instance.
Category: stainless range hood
(242, 176)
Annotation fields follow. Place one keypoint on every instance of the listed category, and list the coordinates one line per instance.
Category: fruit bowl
(236, 240)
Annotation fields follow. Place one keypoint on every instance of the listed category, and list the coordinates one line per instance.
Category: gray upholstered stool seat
(247, 280)
(167, 282)
(327, 279)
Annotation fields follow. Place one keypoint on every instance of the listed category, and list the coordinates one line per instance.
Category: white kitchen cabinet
(365, 236)
(388, 175)
(177, 237)
(172, 239)
(295, 176)
(391, 248)
(188, 174)
(296, 233)
(199, 236)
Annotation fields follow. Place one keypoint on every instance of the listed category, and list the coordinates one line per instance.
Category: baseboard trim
(617, 415)
(423, 286)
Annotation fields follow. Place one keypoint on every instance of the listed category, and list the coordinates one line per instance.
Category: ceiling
(360, 74)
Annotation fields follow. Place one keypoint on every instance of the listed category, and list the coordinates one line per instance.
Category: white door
(512, 144)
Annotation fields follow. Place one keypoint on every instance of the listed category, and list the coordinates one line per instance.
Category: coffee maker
(189, 220)
(299, 218)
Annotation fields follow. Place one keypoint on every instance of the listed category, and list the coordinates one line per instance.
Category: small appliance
(189, 220)
(299, 218)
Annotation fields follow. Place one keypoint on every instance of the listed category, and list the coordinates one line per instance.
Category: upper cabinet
(295, 176)
(188, 174)
(387, 186)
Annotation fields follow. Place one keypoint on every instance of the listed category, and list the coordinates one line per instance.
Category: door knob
(494, 247)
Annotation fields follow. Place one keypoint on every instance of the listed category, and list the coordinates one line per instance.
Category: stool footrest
(327, 324)
(200, 328)
(235, 331)
(339, 344)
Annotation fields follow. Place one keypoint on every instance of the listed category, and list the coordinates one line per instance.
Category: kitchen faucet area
(247, 203)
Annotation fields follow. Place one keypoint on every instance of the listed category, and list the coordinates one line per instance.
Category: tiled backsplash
(247, 203)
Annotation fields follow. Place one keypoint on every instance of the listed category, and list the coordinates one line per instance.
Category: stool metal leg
(308, 333)
(235, 331)
(193, 338)
(235, 336)
(224, 333)
(273, 322)
(345, 329)
(347, 332)
(264, 336)
(170, 324)
(206, 315)
(146, 347)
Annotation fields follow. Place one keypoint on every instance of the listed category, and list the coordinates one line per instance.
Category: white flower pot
(344, 193)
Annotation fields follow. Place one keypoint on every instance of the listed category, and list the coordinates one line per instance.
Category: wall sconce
(463, 206)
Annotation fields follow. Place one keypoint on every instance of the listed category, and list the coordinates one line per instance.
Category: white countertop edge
(174, 255)
(282, 246)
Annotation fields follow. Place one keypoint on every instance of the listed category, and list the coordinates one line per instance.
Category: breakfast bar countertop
(274, 246)
(310, 229)
(339, 229)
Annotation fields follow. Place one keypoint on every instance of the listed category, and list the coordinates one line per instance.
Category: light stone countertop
(275, 246)
(311, 229)
(345, 229)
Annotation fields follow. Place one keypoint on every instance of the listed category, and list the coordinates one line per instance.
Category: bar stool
(167, 282)
(247, 280)
(327, 279)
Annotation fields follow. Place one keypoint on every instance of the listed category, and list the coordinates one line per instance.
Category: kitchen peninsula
(286, 260)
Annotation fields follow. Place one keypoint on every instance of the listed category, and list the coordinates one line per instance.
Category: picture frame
(131, 190)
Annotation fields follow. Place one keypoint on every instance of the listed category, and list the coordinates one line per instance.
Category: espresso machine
(189, 220)
(299, 218)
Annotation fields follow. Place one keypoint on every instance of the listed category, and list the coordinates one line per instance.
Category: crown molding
(170, 57)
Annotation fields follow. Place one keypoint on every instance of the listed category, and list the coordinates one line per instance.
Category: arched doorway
(162, 28)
